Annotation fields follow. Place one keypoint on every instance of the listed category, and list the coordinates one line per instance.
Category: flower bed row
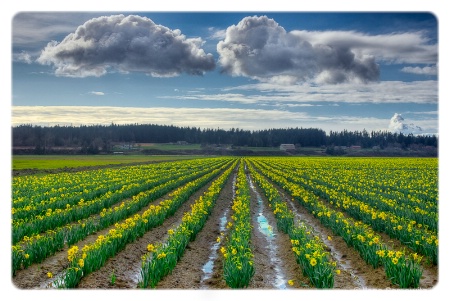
(93, 256)
(402, 269)
(413, 235)
(84, 208)
(407, 206)
(162, 258)
(308, 249)
(38, 247)
(55, 191)
(237, 253)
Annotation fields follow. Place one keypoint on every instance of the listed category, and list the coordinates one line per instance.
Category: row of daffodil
(93, 256)
(51, 197)
(401, 268)
(405, 181)
(308, 249)
(33, 193)
(355, 182)
(40, 246)
(90, 185)
(237, 253)
(83, 209)
(414, 235)
(162, 258)
(35, 188)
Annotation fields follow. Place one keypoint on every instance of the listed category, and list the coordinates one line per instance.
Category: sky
(227, 69)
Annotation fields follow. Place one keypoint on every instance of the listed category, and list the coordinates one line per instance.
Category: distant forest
(96, 138)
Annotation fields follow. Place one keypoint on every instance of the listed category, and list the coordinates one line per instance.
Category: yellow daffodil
(150, 248)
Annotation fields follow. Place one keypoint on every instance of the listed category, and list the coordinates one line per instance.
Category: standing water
(265, 228)
(209, 265)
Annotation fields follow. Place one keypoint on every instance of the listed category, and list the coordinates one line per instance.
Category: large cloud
(396, 48)
(127, 44)
(259, 48)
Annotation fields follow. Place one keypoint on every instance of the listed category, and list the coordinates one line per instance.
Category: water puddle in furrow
(265, 228)
(209, 265)
(54, 282)
(342, 264)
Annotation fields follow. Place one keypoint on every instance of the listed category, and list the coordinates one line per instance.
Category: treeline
(93, 138)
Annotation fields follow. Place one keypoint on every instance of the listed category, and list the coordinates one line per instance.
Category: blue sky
(245, 69)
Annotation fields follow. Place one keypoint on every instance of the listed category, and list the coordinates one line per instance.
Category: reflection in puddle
(209, 265)
(265, 228)
(50, 283)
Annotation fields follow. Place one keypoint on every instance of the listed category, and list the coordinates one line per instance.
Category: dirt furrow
(127, 263)
(274, 261)
(355, 272)
(201, 264)
(35, 276)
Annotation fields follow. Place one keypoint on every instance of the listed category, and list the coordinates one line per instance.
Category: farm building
(286, 147)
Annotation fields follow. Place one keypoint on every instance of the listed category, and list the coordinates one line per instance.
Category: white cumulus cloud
(428, 70)
(397, 124)
(126, 44)
(259, 48)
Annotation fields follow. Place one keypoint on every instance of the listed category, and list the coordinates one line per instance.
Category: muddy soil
(200, 268)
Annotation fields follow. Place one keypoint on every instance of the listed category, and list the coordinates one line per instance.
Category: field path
(274, 260)
(200, 267)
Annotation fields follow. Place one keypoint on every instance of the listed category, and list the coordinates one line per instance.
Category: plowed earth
(201, 265)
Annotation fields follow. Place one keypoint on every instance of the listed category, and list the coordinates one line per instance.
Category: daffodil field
(330, 204)
(91, 217)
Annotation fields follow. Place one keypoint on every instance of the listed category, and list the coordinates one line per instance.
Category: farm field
(48, 162)
(228, 222)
